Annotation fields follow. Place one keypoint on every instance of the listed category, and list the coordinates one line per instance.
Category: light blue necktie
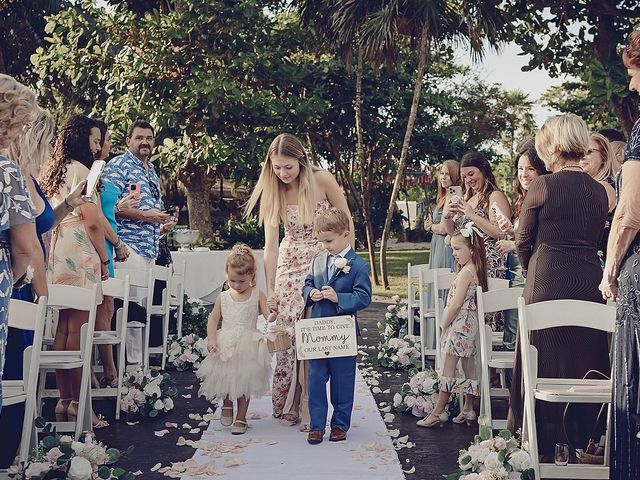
(331, 268)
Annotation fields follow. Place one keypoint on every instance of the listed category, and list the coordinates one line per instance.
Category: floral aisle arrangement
(394, 323)
(420, 394)
(493, 458)
(145, 394)
(194, 317)
(400, 353)
(61, 457)
(187, 352)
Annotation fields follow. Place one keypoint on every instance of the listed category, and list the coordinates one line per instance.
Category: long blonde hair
(453, 167)
(17, 104)
(31, 148)
(269, 189)
(607, 155)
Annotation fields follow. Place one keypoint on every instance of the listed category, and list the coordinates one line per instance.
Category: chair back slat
(137, 278)
(496, 300)
(70, 296)
(568, 313)
(497, 283)
(23, 315)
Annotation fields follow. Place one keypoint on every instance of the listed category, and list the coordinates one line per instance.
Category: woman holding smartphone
(78, 255)
(440, 253)
(482, 203)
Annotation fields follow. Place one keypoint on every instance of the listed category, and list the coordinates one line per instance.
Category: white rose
(486, 475)
(520, 460)
(396, 298)
(492, 462)
(159, 405)
(80, 469)
(397, 399)
(394, 358)
(499, 443)
(152, 389)
(340, 263)
(388, 315)
(410, 400)
(391, 308)
(346, 269)
(66, 439)
(168, 403)
(478, 453)
(77, 447)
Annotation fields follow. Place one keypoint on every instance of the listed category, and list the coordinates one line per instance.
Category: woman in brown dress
(561, 223)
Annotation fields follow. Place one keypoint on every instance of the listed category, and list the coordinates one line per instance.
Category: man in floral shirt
(139, 228)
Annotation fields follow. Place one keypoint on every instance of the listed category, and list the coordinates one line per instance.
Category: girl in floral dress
(292, 191)
(460, 327)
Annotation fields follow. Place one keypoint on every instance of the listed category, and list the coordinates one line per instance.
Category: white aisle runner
(271, 451)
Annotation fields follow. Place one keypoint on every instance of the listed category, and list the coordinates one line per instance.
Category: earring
(251, 284)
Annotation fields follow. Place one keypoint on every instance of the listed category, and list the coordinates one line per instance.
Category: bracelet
(66, 204)
(118, 244)
(106, 262)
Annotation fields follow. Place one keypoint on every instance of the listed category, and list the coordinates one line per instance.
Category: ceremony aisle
(368, 452)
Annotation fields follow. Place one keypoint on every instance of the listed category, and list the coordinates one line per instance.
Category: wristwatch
(106, 262)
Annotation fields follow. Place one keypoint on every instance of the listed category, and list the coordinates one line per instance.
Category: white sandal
(225, 420)
(239, 429)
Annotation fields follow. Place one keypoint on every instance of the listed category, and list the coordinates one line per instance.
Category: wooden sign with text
(326, 337)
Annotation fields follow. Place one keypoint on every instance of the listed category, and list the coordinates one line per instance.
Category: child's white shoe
(239, 427)
(225, 420)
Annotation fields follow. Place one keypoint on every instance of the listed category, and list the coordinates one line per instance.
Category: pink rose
(53, 455)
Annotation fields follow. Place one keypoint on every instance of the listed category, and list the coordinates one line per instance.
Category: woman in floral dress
(17, 228)
(481, 204)
(292, 191)
(78, 255)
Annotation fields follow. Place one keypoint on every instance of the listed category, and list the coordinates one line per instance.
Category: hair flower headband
(467, 231)
(238, 250)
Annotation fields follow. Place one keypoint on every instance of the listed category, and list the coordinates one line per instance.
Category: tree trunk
(365, 193)
(423, 45)
(198, 183)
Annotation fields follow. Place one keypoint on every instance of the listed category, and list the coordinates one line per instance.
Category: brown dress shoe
(315, 436)
(337, 435)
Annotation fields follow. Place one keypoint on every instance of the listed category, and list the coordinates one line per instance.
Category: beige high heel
(432, 420)
(468, 416)
(97, 421)
(61, 409)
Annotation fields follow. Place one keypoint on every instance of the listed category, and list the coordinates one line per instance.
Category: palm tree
(427, 22)
(340, 24)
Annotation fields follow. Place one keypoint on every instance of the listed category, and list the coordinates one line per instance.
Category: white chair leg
(607, 445)
(84, 421)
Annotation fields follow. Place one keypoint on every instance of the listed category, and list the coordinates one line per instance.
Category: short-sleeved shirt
(122, 171)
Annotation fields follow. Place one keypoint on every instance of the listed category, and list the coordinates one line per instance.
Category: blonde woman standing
(292, 191)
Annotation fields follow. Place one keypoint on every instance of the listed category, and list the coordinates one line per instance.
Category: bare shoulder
(324, 178)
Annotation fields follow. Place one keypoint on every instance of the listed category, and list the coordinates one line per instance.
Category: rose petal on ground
(411, 470)
(203, 424)
(188, 395)
(195, 416)
(188, 387)
(233, 462)
(161, 433)
(386, 409)
(170, 425)
(388, 417)
(156, 467)
(186, 425)
(194, 430)
(136, 473)
(388, 390)
(132, 423)
(376, 390)
(207, 417)
(181, 441)
(394, 433)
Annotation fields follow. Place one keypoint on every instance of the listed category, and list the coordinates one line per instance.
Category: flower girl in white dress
(238, 366)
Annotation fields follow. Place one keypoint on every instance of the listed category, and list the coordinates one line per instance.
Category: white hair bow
(467, 231)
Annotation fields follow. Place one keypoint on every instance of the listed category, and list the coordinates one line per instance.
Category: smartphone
(455, 190)
(135, 188)
(497, 211)
(94, 177)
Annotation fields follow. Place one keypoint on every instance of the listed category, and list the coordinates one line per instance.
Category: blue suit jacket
(353, 289)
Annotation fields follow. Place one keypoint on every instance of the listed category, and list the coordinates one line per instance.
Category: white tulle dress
(242, 365)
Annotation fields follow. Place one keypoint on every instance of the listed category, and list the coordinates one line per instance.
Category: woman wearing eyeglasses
(599, 163)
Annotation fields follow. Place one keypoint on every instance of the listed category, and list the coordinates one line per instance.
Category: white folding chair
(561, 313)
(26, 316)
(77, 298)
(497, 284)
(162, 310)
(413, 303)
(441, 281)
(427, 315)
(489, 302)
(140, 280)
(177, 292)
(116, 288)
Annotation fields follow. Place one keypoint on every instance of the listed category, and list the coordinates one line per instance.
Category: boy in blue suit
(338, 284)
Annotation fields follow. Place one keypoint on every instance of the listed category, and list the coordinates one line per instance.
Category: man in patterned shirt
(139, 228)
